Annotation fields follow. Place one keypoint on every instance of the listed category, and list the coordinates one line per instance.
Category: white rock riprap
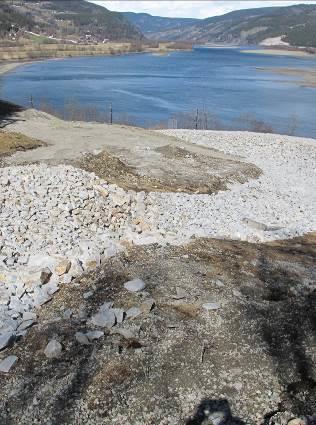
(55, 223)
(282, 199)
(58, 221)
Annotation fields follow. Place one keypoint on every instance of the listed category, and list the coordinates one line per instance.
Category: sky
(189, 8)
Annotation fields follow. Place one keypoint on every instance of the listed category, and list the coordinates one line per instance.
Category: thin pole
(111, 114)
(196, 119)
(31, 102)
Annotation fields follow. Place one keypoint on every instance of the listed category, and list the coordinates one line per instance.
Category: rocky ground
(206, 327)
(220, 325)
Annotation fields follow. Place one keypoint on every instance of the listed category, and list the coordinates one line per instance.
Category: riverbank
(30, 52)
(7, 67)
(18, 57)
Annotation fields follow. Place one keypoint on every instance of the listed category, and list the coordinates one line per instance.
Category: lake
(146, 89)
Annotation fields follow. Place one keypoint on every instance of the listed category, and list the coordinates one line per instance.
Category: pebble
(134, 285)
(7, 363)
(87, 295)
(53, 349)
(180, 294)
(67, 313)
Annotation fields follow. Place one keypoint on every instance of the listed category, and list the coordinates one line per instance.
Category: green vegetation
(304, 35)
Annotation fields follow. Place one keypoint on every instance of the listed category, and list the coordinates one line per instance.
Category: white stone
(134, 285)
(211, 306)
(6, 339)
(53, 349)
(133, 312)
(82, 338)
(105, 318)
(92, 335)
(119, 314)
(25, 325)
(7, 363)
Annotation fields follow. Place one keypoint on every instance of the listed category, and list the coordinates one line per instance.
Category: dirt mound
(169, 168)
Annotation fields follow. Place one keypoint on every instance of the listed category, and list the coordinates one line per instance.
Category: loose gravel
(59, 221)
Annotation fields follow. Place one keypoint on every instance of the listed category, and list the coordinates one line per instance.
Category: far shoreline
(280, 52)
(8, 65)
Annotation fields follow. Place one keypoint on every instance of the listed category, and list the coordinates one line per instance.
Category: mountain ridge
(149, 24)
(295, 24)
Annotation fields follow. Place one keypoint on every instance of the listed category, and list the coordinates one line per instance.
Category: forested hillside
(295, 24)
(65, 19)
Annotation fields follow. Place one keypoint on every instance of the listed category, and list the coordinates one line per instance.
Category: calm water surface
(150, 89)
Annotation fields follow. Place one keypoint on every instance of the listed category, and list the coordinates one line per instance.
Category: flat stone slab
(7, 363)
(134, 285)
(104, 318)
(6, 339)
(53, 349)
(211, 306)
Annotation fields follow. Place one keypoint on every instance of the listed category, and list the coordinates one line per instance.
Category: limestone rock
(119, 314)
(82, 338)
(133, 312)
(105, 318)
(63, 267)
(7, 363)
(211, 306)
(147, 306)
(6, 339)
(134, 285)
(53, 349)
(25, 325)
(92, 335)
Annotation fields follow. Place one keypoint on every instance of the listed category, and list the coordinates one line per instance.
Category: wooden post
(196, 119)
(31, 102)
(111, 114)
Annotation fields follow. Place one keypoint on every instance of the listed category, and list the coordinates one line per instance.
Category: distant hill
(69, 19)
(149, 25)
(295, 24)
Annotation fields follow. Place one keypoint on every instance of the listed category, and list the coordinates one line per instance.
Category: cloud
(188, 8)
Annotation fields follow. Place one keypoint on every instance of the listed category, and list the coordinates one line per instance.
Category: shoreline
(10, 65)
(280, 52)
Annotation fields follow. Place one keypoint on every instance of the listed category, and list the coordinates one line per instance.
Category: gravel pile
(280, 204)
(56, 223)
(59, 221)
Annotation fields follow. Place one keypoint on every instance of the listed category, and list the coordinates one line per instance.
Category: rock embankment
(279, 204)
(56, 223)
